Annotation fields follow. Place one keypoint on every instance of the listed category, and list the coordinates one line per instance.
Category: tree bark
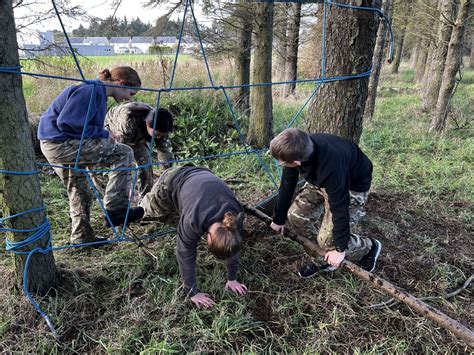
(453, 63)
(427, 11)
(471, 57)
(397, 58)
(432, 83)
(294, 20)
(317, 41)
(280, 41)
(377, 61)
(261, 106)
(350, 39)
(242, 61)
(19, 193)
(414, 56)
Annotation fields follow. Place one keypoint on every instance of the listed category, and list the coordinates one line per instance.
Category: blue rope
(202, 47)
(10, 172)
(39, 232)
(68, 41)
(37, 209)
(316, 81)
(157, 106)
(179, 45)
(88, 117)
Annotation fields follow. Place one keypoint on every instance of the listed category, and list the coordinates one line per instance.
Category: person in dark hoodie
(205, 206)
(60, 131)
(338, 176)
(132, 124)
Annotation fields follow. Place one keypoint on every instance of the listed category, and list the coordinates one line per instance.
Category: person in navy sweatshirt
(79, 112)
(205, 205)
(338, 176)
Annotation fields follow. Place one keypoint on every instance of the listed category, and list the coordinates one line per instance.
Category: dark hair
(226, 240)
(164, 120)
(127, 74)
(291, 145)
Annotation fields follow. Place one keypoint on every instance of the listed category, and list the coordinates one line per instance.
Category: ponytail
(227, 241)
(127, 74)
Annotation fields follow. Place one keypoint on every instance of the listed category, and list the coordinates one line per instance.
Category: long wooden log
(421, 307)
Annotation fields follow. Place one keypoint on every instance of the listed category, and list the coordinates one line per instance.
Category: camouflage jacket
(127, 122)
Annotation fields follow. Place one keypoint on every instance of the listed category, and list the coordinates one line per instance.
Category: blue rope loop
(14, 69)
(40, 231)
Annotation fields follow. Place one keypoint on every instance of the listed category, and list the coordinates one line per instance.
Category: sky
(98, 8)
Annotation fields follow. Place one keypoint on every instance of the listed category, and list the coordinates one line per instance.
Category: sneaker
(368, 262)
(309, 270)
(118, 217)
(328, 268)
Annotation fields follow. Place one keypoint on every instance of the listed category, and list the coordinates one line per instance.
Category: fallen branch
(313, 249)
(393, 301)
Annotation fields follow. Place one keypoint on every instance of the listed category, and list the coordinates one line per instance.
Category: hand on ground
(202, 300)
(236, 287)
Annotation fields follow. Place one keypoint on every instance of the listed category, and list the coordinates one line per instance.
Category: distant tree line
(116, 27)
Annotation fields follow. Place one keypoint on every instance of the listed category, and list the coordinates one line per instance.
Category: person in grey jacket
(205, 205)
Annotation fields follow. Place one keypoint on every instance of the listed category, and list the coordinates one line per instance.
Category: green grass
(118, 299)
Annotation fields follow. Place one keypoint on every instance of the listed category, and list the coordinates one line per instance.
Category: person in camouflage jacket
(131, 123)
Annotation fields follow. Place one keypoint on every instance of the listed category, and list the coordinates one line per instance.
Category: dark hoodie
(337, 165)
(201, 199)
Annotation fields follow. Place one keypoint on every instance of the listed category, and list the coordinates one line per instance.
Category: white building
(121, 44)
(141, 44)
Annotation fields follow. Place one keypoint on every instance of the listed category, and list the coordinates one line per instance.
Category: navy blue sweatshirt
(66, 116)
(337, 165)
(201, 199)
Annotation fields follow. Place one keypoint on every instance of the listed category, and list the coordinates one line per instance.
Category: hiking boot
(368, 261)
(118, 217)
(309, 270)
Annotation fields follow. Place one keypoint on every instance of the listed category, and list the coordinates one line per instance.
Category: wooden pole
(421, 307)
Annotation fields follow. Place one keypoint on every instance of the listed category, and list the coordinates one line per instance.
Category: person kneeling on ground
(338, 177)
(131, 123)
(206, 205)
(60, 131)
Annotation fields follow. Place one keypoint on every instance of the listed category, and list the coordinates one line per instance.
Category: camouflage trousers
(141, 151)
(102, 152)
(305, 213)
(157, 203)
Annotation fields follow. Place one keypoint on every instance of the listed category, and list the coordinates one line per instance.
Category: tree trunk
(428, 12)
(242, 61)
(294, 20)
(421, 63)
(432, 83)
(317, 40)
(377, 63)
(397, 58)
(280, 41)
(414, 56)
(19, 193)
(453, 63)
(350, 39)
(471, 57)
(261, 106)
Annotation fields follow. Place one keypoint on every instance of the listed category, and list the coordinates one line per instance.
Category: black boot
(118, 217)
